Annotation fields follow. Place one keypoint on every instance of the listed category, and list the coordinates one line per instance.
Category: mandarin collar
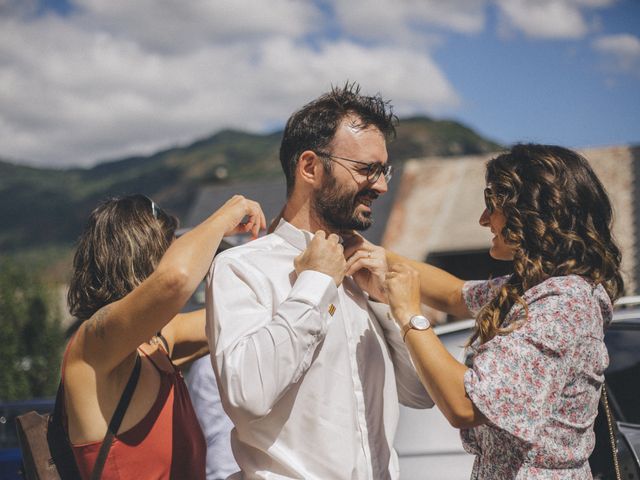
(293, 235)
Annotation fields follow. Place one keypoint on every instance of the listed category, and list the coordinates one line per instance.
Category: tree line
(31, 334)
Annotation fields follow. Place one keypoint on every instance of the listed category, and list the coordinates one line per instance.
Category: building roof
(271, 194)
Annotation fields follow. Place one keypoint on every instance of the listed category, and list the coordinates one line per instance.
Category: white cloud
(622, 51)
(178, 26)
(18, 8)
(549, 19)
(405, 21)
(71, 94)
(411, 79)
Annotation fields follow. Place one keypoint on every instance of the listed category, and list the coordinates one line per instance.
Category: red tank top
(167, 443)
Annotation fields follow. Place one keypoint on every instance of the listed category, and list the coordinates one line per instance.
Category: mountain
(420, 137)
(43, 207)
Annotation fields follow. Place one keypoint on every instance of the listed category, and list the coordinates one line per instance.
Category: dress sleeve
(259, 349)
(477, 293)
(516, 378)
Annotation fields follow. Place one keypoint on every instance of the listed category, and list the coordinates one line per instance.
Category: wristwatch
(417, 322)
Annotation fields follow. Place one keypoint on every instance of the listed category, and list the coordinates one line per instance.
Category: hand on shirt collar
(323, 254)
(367, 264)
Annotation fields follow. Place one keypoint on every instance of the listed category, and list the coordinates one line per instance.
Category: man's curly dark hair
(314, 126)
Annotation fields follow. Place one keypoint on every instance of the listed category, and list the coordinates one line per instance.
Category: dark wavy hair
(314, 125)
(558, 218)
(123, 241)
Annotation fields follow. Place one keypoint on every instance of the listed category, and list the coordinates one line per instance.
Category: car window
(624, 370)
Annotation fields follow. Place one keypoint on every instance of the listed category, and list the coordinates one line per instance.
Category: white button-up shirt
(309, 373)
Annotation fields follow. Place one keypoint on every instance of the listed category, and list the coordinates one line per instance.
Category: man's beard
(336, 207)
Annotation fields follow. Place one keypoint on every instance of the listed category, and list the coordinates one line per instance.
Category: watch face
(419, 322)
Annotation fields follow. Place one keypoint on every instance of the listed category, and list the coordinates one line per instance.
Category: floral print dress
(538, 386)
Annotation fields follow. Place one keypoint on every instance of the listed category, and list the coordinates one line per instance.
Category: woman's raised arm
(114, 332)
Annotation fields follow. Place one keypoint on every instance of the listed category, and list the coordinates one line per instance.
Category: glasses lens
(373, 172)
(377, 169)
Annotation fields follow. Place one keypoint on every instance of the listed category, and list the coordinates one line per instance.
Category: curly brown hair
(558, 219)
(123, 241)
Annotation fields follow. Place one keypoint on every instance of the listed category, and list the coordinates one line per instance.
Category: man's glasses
(371, 170)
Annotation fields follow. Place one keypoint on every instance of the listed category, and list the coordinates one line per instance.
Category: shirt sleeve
(260, 349)
(411, 392)
(516, 378)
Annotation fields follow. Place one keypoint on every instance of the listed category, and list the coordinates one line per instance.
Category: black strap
(163, 340)
(58, 441)
(57, 407)
(116, 420)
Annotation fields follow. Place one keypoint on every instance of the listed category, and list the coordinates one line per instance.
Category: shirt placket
(353, 330)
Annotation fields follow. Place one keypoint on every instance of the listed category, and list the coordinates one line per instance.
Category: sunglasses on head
(154, 209)
(153, 206)
(169, 221)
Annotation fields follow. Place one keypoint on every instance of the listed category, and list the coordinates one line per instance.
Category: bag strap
(612, 431)
(57, 407)
(61, 452)
(116, 420)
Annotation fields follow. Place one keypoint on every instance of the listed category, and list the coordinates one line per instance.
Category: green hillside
(423, 137)
(42, 207)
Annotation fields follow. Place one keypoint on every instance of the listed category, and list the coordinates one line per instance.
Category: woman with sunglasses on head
(130, 280)
(527, 403)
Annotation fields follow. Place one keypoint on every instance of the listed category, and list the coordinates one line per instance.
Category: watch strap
(405, 330)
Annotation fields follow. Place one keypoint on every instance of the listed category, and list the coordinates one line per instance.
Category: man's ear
(310, 169)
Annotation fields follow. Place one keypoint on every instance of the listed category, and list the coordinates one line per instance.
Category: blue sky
(554, 90)
(91, 80)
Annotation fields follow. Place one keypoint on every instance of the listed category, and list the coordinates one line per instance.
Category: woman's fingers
(369, 256)
(237, 209)
(374, 265)
(257, 220)
(402, 284)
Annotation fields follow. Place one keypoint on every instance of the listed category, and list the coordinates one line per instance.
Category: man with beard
(310, 367)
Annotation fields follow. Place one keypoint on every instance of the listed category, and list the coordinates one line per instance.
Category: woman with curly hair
(527, 404)
(130, 280)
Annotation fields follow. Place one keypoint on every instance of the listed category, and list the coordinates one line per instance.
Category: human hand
(403, 289)
(367, 264)
(235, 210)
(324, 254)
